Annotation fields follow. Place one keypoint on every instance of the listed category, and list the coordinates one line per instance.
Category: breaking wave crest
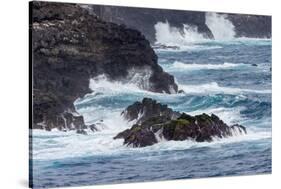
(188, 38)
(70, 145)
(214, 88)
(220, 26)
(168, 35)
(177, 65)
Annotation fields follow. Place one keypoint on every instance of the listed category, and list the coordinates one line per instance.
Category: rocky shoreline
(144, 20)
(69, 47)
(155, 122)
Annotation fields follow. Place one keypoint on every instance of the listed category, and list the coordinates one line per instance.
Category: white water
(102, 84)
(177, 65)
(229, 115)
(59, 145)
(220, 26)
(137, 80)
(186, 37)
(172, 36)
(214, 88)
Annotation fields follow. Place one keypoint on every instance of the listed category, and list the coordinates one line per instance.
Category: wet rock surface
(69, 46)
(200, 128)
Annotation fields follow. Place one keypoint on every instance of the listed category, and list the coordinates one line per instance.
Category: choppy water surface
(218, 77)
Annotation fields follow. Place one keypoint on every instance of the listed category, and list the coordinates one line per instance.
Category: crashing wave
(180, 65)
(172, 36)
(220, 26)
(215, 88)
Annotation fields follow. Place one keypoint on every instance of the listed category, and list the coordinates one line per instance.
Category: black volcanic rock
(200, 128)
(69, 46)
(148, 108)
(144, 19)
(138, 137)
(254, 26)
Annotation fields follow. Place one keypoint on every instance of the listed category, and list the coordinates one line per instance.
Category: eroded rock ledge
(165, 124)
(69, 46)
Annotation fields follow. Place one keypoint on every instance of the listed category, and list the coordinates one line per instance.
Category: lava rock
(69, 46)
(138, 137)
(148, 108)
(200, 128)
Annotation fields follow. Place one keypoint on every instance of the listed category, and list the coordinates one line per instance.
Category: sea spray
(177, 65)
(168, 35)
(220, 26)
(215, 88)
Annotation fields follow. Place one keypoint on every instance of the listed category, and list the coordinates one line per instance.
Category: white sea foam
(168, 35)
(214, 88)
(59, 145)
(136, 80)
(177, 65)
(188, 38)
(102, 87)
(228, 115)
(102, 84)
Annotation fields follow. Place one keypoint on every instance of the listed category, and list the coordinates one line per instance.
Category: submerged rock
(70, 46)
(200, 128)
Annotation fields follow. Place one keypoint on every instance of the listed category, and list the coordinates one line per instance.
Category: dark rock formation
(69, 46)
(255, 26)
(144, 19)
(148, 108)
(138, 137)
(200, 128)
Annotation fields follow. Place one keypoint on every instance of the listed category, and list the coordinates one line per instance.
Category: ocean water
(217, 77)
(227, 76)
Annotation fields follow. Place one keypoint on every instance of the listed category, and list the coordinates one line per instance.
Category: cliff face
(70, 46)
(144, 19)
(254, 26)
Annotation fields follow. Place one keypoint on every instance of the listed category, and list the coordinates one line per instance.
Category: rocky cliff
(144, 20)
(255, 26)
(69, 46)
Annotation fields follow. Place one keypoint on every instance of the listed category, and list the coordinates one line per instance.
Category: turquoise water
(217, 77)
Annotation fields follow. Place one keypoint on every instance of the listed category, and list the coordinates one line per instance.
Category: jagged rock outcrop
(148, 108)
(69, 46)
(200, 128)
